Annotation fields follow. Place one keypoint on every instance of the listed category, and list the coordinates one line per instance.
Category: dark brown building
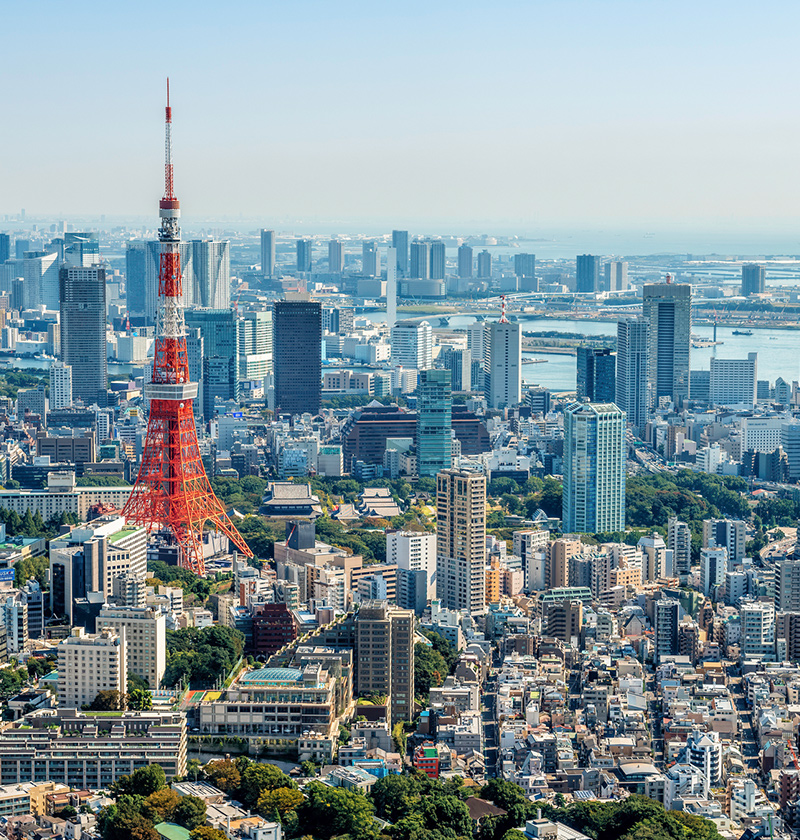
(366, 431)
(273, 627)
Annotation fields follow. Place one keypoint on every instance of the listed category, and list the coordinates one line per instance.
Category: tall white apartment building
(415, 556)
(656, 561)
(89, 663)
(594, 468)
(713, 566)
(732, 533)
(461, 541)
(762, 434)
(502, 364)
(145, 632)
(758, 628)
(412, 345)
(733, 381)
(60, 385)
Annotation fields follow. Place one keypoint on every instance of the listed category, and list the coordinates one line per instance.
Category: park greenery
(32, 524)
(11, 381)
(201, 656)
(432, 663)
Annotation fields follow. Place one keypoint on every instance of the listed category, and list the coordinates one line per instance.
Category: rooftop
(271, 675)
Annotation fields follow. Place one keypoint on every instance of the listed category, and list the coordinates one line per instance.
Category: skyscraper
(267, 252)
(60, 385)
(459, 363)
(594, 468)
(297, 356)
(730, 533)
(461, 541)
(135, 277)
(437, 252)
(420, 261)
(81, 249)
(400, 243)
(753, 279)
(220, 329)
(40, 273)
(255, 345)
(732, 382)
(434, 422)
(668, 309)
(464, 261)
(335, 257)
(679, 542)
(211, 274)
(412, 344)
(370, 259)
(502, 364)
(83, 331)
(5, 247)
(304, 255)
(391, 287)
(596, 374)
(633, 365)
(484, 265)
(587, 273)
(525, 269)
(615, 276)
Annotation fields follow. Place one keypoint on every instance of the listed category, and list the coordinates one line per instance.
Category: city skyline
(676, 156)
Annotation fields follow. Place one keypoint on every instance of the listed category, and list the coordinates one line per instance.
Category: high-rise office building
(391, 287)
(384, 637)
(412, 344)
(81, 249)
(267, 252)
(304, 255)
(732, 382)
(434, 422)
(587, 273)
(615, 276)
(596, 374)
(563, 620)
(297, 363)
(83, 331)
(484, 265)
(335, 257)
(211, 275)
(420, 259)
(438, 261)
(255, 345)
(632, 373)
(464, 261)
(461, 541)
(459, 363)
(40, 273)
(20, 247)
(89, 663)
(400, 244)
(753, 279)
(135, 277)
(594, 468)
(220, 329)
(5, 247)
(370, 259)
(679, 542)
(667, 618)
(60, 385)
(730, 533)
(668, 309)
(502, 364)
(525, 269)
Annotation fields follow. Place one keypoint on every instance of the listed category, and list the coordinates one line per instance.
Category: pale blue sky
(506, 114)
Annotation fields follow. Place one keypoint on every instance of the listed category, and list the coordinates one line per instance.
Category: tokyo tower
(172, 492)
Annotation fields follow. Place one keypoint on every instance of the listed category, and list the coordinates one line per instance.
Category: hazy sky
(510, 115)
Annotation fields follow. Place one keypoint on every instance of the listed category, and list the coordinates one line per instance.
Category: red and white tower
(172, 492)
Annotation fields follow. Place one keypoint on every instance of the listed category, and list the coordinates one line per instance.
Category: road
(747, 736)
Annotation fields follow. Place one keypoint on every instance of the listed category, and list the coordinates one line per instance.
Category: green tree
(257, 778)
(329, 812)
(309, 768)
(430, 669)
(135, 681)
(160, 806)
(205, 832)
(140, 700)
(107, 701)
(141, 782)
(223, 774)
(280, 801)
(190, 812)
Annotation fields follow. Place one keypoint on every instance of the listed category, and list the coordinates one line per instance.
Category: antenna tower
(172, 493)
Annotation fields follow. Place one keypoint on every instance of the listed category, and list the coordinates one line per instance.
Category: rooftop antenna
(503, 319)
